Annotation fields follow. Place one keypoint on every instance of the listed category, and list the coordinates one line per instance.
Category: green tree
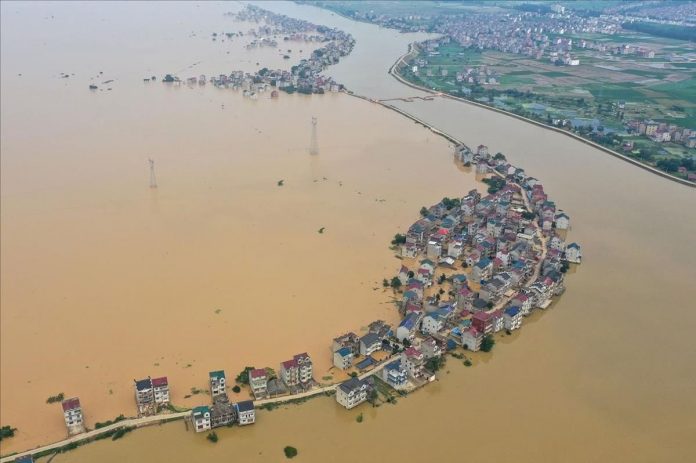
(424, 211)
(212, 437)
(487, 343)
(395, 283)
(243, 376)
(398, 239)
(6, 432)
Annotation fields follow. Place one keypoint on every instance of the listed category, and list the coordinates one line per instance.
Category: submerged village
(472, 267)
(304, 77)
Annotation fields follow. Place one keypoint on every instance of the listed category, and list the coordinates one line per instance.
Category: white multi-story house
(258, 380)
(512, 318)
(305, 368)
(343, 358)
(370, 343)
(144, 397)
(200, 417)
(573, 253)
(218, 382)
(160, 386)
(471, 339)
(72, 412)
(395, 374)
(413, 359)
(432, 323)
(245, 412)
(562, 221)
(352, 393)
(297, 371)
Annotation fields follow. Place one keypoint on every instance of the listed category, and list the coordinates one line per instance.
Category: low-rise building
(72, 412)
(200, 417)
(245, 412)
(352, 393)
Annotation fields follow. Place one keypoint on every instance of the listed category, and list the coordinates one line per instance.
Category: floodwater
(607, 374)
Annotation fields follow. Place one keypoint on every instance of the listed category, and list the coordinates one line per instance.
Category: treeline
(669, 31)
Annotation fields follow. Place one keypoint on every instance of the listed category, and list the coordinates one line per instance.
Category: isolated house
(72, 412)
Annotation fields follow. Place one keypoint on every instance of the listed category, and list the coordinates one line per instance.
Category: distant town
(618, 74)
(304, 77)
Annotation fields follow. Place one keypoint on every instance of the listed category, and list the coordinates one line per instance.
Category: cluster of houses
(663, 132)
(151, 394)
(222, 412)
(509, 245)
(482, 263)
(304, 77)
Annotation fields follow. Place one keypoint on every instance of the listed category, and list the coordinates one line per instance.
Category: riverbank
(393, 71)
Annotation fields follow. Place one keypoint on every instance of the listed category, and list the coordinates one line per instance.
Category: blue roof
(409, 322)
(344, 351)
(244, 406)
(203, 409)
(217, 374)
(483, 262)
(395, 365)
(365, 363)
(512, 311)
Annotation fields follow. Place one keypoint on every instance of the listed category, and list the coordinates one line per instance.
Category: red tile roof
(159, 382)
(258, 373)
(71, 404)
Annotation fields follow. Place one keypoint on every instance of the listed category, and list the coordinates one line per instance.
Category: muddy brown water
(103, 278)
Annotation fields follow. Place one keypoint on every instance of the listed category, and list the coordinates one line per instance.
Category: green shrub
(290, 452)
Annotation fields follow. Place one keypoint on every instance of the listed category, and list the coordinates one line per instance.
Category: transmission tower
(153, 179)
(313, 145)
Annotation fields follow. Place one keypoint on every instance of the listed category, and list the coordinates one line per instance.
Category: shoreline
(394, 73)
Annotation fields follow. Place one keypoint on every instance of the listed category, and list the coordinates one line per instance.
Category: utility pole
(153, 179)
(313, 145)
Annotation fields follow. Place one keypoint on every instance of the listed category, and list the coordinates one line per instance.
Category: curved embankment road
(159, 419)
(411, 49)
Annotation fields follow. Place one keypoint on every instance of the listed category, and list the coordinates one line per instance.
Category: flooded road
(103, 277)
